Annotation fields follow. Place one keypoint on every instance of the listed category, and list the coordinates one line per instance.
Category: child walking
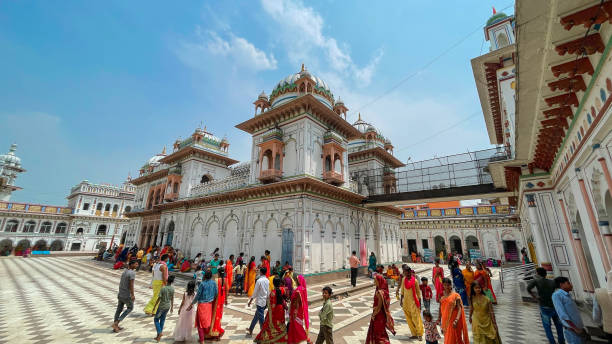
(184, 325)
(165, 303)
(326, 315)
(426, 292)
(431, 328)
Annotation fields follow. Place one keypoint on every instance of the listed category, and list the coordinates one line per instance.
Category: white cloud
(238, 50)
(303, 38)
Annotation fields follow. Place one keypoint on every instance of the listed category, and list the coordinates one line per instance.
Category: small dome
(496, 17)
(371, 128)
(10, 159)
(263, 95)
(361, 125)
(339, 101)
(155, 160)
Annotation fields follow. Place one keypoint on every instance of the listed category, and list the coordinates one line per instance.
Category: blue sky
(91, 90)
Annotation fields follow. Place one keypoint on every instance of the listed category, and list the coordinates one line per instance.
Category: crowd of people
(281, 298)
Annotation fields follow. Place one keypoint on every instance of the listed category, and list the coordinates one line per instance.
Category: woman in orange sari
(216, 332)
(298, 314)
(481, 275)
(451, 316)
(274, 329)
(437, 276)
(229, 276)
(381, 316)
(249, 279)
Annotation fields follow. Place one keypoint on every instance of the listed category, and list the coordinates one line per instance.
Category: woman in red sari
(437, 276)
(274, 329)
(452, 317)
(481, 275)
(381, 316)
(298, 314)
(216, 332)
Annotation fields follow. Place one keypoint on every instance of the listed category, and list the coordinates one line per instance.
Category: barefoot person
(207, 292)
(160, 276)
(125, 297)
(452, 316)
(260, 294)
(184, 324)
(164, 303)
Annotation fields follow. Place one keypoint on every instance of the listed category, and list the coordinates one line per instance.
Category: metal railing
(439, 173)
(516, 273)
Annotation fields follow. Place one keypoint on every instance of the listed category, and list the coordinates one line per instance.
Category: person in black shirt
(545, 289)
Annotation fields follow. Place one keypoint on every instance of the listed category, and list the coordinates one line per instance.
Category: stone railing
(460, 211)
(217, 186)
(366, 146)
(34, 208)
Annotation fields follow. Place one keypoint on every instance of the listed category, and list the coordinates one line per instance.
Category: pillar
(594, 225)
(583, 270)
(541, 247)
(605, 226)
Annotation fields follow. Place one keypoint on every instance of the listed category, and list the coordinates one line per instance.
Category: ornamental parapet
(488, 210)
(34, 208)
(219, 186)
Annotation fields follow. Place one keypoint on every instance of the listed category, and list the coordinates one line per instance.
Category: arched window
(176, 188)
(502, 40)
(101, 230)
(79, 231)
(337, 164)
(99, 207)
(107, 208)
(205, 179)
(115, 208)
(128, 209)
(277, 162)
(328, 165)
(29, 227)
(45, 228)
(11, 226)
(60, 228)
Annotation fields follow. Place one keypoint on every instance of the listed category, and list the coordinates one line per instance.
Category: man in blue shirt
(566, 308)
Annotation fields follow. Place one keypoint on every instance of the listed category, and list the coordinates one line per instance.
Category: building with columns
(10, 167)
(559, 130)
(294, 197)
(94, 217)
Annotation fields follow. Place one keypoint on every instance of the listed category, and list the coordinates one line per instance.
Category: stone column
(540, 240)
(594, 225)
(605, 226)
(574, 235)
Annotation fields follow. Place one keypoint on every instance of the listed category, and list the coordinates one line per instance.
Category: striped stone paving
(73, 299)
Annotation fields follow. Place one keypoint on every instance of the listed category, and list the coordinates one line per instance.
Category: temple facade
(294, 197)
(558, 127)
(93, 217)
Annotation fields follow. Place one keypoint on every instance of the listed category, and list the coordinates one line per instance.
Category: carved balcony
(333, 177)
(270, 176)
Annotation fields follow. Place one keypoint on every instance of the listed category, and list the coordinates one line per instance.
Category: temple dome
(496, 17)
(286, 89)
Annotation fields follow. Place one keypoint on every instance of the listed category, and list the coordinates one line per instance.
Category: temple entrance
(22, 245)
(412, 246)
(455, 244)
(510, 251)
(287, 249)
(439, 245)
(40, 245)
(56, 245)
(6, 247)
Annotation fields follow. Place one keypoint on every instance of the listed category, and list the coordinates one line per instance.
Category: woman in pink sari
(381, 320)
(437, 276)
(298, 314)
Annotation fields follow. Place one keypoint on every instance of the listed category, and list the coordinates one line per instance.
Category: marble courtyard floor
(73, 300)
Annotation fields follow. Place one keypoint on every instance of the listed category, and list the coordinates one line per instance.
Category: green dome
(496, 17)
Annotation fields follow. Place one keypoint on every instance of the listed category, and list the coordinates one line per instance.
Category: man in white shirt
(260, 294)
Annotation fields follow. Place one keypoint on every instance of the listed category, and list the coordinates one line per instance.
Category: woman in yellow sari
(452, 317)
(411, 303)
(249, 280)
(482, 318)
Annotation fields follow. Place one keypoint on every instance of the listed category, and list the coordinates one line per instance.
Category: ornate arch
(268, 228)
(196, 221)
(229, 218)
(287, 222)
(214, 218)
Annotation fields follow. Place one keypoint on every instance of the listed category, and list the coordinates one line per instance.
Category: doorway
(287, 246)
(412, 246)
(76, 246)
(455, 244)
(510, 250)
(439, 245)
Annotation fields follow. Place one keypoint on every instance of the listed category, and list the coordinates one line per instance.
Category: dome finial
(359, 119)
(494, 11)
(164, 151)
(303, 68)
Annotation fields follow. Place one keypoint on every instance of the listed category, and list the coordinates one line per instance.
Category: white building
(10, 167)
(293, 198)
(94, 217)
